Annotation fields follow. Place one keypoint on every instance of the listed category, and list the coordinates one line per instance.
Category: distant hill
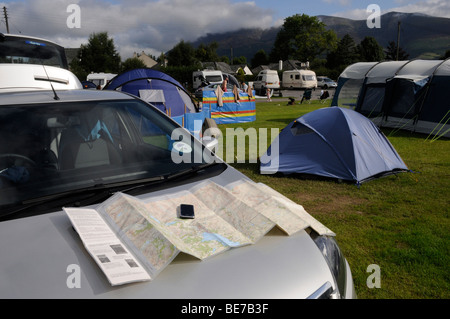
(243, 42)
(421, 36)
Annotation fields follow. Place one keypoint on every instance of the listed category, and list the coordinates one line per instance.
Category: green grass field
(401, 222)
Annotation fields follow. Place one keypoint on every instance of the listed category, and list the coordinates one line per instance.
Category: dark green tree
(182, 54)
(260, 58)
(239, 60)
(162, 59)
(98, 55)
(446, 55)
(225, 59)
(240, 75)
(302, 38)
(391, 52)
(369, 50)
(207, 53)
(131, 64)
(344, 54)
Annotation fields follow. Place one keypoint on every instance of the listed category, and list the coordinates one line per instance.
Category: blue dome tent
(155, 87)
(162, 91)
(334, 142)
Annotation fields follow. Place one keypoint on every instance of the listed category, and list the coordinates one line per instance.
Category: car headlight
(336, 262)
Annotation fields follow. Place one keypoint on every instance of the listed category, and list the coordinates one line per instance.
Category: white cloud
(437, 8)
(339, 2)
(152, 26)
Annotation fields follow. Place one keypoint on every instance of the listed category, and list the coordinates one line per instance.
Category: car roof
(48, 96)
(26, 77)
(12, 35)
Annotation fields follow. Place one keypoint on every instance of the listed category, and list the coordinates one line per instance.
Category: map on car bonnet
(152, 233)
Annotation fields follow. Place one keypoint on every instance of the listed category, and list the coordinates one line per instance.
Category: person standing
(224, 84)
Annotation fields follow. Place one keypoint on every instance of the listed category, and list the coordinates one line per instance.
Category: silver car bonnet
(38, 256)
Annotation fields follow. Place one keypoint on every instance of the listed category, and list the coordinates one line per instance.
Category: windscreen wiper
(167, 178)
(189, 171)
(78, 198)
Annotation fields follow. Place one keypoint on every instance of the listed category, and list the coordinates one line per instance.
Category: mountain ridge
(421, 35)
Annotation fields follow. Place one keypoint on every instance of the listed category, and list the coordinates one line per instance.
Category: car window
(214, 78)
(23, 50)
(60, 147)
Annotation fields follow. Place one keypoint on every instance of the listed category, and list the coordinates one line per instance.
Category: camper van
(28, 62)
(21, 49)
(100, 79)
(299, 79)
(266, 79)
(206, 77)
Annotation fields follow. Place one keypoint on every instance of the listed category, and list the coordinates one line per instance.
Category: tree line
(301, 37)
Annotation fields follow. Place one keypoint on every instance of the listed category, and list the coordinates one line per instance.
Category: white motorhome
(30, 63)
(210, 76)
(100, 79)
(266, 79)
(299, 79)
(26, 77)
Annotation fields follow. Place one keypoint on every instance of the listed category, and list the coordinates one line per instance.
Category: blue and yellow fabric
(233, 110)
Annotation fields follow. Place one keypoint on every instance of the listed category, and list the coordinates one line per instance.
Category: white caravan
(208, 76)
(100, 79)
(299, 79)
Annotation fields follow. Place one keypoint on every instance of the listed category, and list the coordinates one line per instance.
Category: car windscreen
(31, 51)
(48, 149)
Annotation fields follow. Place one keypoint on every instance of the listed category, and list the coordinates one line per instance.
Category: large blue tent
(333, 142)
(155, 87)
(410, 95)
(164, 92)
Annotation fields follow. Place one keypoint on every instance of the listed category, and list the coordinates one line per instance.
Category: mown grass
(400, 223)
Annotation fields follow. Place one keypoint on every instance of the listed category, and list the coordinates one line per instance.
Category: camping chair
(306, 96)
(324, 97)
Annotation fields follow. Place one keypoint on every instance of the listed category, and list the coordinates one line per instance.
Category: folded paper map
(225, 217)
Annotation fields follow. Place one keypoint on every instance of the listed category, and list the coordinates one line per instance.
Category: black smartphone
(186, 211)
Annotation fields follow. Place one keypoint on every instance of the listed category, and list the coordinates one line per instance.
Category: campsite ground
(400, 223)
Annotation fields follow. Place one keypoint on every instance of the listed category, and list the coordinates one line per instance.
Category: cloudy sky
(155, 26)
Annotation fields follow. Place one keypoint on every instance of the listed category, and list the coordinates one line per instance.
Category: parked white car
(80, 148)
(325, 83)
(22, 49)
(33, 63)
(23, 77)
